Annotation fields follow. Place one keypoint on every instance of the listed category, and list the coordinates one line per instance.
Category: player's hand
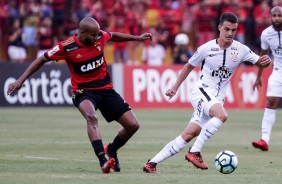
(14, 86)
(145, 36)
(264, 61)
(170, 93)
(257, 84)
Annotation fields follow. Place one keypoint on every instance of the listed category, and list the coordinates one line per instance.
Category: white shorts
(202, 100)
(274, 88)
(16, 53)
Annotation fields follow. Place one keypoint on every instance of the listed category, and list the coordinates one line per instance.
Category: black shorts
(109, 102)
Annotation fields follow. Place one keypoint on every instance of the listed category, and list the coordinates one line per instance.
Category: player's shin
(99, 151)
(267, 123)
(172, 148)
(206, 133)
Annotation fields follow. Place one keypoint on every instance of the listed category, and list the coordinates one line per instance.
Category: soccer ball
(226, 162)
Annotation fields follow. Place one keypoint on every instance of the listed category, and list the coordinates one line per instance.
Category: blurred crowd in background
(30, 27)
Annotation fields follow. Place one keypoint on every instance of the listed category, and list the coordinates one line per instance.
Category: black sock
(116, 144)
(99, 151)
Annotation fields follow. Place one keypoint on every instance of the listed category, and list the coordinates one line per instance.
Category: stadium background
(50, 146)
(165, 18)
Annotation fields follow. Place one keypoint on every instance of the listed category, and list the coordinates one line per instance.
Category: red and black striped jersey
(87, 64)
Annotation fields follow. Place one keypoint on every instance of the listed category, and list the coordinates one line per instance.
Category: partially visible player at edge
(271, 39)
(219, 59)
(91, 86)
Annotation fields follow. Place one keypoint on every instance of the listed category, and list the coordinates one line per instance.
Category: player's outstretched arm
(122, 37)
(33, 67)
(187, 68)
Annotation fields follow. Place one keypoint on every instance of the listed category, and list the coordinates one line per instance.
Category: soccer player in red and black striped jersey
(91, 85)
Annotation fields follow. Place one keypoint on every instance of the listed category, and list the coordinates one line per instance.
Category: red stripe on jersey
(87, 64)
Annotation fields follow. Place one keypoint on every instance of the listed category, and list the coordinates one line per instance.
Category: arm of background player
(258, 81)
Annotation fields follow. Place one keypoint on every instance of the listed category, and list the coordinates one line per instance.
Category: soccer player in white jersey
(219, 59)
(271, 39)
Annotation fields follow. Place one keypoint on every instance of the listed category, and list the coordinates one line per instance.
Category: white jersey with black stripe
(272, 39)
(218, 65)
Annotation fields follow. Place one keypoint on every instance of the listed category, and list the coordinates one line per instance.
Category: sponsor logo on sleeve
(53, 50)
(214, 49)
(71, 49)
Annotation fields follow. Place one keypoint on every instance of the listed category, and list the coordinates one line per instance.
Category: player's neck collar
(77, 40)
(223, 46)
(277, 29)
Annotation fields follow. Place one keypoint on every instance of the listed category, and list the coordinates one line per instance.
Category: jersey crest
(98, 47)
(234, 56)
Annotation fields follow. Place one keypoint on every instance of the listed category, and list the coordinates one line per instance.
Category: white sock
(173, 147)
(206, 133)
(268, 121)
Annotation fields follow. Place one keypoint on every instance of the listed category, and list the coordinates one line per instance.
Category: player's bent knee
(223, 117)
(135, 126)
(272, 102)
(132, 127)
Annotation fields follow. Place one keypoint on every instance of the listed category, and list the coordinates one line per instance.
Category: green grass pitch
(50, 145)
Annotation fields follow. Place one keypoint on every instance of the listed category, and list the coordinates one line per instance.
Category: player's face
(276, 19)
(89, 38)
(227, 31)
